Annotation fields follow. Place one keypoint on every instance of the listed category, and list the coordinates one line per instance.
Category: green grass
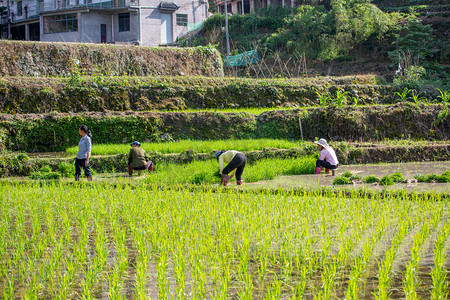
(197, 146)
(207, 172)
(240, 145)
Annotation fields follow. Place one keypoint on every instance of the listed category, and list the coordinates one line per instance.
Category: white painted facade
(142, 22)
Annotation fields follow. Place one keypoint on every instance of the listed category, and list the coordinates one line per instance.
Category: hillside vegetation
(341, 37)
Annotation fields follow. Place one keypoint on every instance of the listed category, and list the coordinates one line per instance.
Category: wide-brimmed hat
(136, 143)
(323, 143)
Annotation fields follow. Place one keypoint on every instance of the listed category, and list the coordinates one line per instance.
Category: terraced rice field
(97, 240)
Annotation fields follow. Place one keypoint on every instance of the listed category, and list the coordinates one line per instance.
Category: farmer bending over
(235, 161)
(327, 159)
(138, 159)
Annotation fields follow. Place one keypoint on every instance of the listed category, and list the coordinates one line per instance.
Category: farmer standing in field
(327, 158)
(235, 161)
(138, 159)
(84, 153)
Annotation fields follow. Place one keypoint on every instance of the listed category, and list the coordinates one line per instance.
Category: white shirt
(329, 155)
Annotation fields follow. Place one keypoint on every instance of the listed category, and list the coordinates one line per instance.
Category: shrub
(45, 175)
(356, 177)
(387, 180)
(347, 174)
(66, 169)
(371, 179)
(45, 169)
(340, 180)
(397, 177)
(443, 179)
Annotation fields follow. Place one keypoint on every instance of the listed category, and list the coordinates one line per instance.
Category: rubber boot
(327, 171)
(151, 168)
(318, 169)
(239, 182)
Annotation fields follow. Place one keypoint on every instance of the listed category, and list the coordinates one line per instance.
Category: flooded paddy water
(379, 170)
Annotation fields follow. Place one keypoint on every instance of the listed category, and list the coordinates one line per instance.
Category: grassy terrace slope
(100, 93)
(65, 59)
(56, 132)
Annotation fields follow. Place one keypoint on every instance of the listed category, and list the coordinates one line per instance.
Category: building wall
(145, 22)
(90, 27)
(131, 36)
(150, 18)
(73, 36)
(150, 26)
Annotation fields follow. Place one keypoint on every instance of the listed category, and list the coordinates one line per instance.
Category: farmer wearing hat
(138, 159)
(235, 161)
(327, 158)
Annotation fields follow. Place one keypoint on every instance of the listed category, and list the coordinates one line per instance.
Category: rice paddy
(196, 146)
(89, 241)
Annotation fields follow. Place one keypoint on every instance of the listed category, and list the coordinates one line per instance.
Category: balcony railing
(28, 12)
(65, 5)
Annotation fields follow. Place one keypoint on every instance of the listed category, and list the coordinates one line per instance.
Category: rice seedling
(439, 273)
(199, 242)
(194, 145)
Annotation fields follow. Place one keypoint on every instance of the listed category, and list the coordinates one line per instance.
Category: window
(19, 8)
(124, 22)
(60, 23)
(182, 19)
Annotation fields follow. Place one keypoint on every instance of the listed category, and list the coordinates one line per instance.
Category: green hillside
(339, 38)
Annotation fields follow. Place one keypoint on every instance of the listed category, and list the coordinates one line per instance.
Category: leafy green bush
(443, 179)
(340, 180)
(330, 34)
(387, 180)
(347, 174)
(45, 169)
(397, 177)
(371, 179)
(66, 169)
(356, 177)
(45, 173)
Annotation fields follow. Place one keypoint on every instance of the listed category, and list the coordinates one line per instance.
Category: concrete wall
(151, 19)
(150, 26)
(127, 36)
(90, 27)
(73, 36)
(145, 24)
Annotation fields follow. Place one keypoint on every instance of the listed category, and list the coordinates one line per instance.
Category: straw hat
(323, 143)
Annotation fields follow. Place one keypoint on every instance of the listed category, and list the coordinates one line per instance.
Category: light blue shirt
(84, 146)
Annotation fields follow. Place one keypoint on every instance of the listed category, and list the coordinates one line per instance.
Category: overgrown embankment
(22, 165)
(101, 93)
(56, 132)
(65, 59)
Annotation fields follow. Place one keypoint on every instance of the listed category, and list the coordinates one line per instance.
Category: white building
(235, 6)
(143, 22)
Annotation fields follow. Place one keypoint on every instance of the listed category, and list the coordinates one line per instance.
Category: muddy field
(379, 170)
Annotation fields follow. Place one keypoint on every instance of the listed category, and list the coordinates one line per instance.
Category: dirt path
(407, 169)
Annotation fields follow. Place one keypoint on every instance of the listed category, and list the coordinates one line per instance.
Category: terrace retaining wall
(41, 95)
(56, 132)
(38, 59)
